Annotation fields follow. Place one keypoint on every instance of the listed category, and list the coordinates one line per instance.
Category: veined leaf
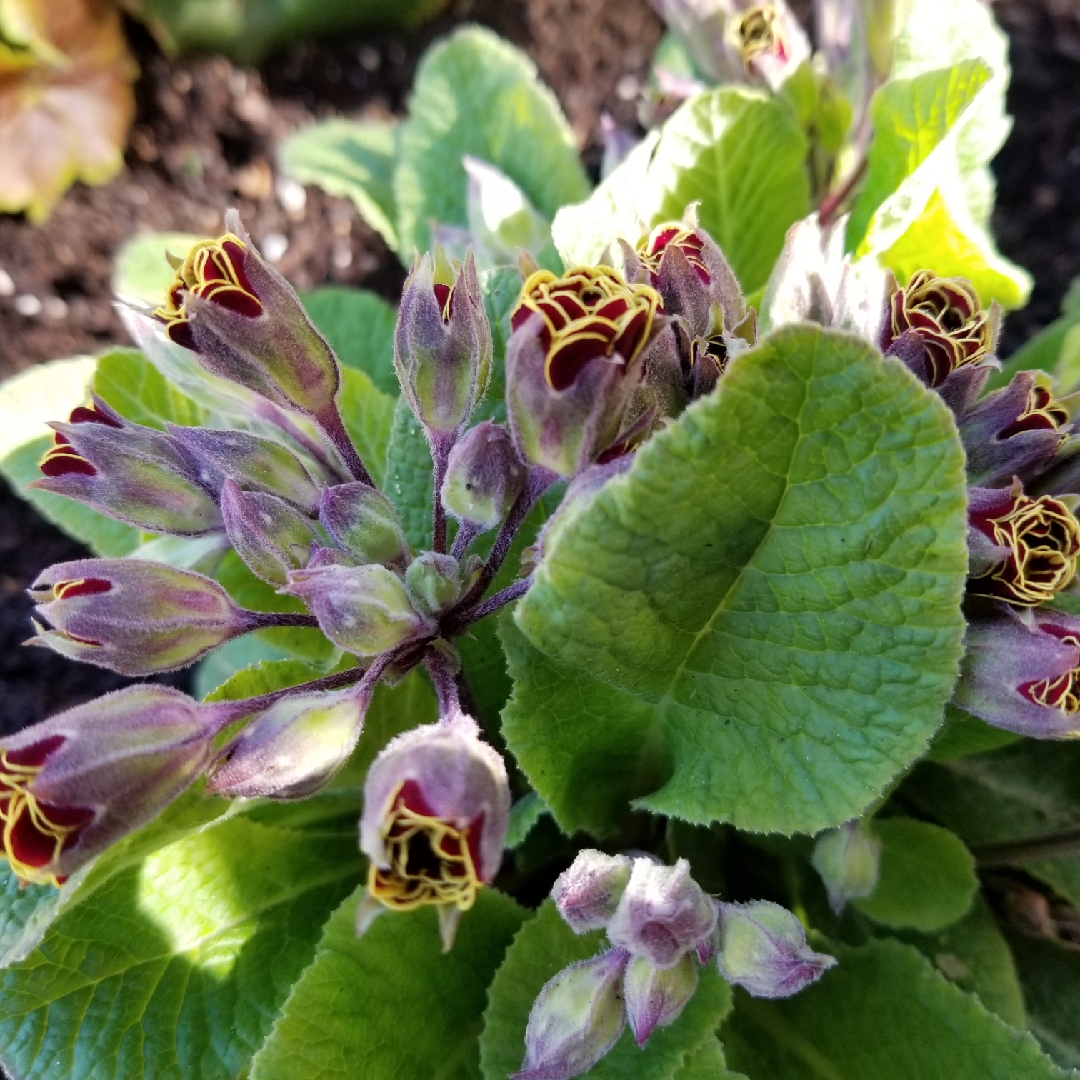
(140, 393)
(409, 477)
(764, 610)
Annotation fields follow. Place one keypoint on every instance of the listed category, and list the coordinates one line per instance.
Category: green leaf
(141, 272)
(927, 877)
(390, 1005)
(177, 966)
(707, 1063)
(524, 814)
(476, 94)
(264, 678)
(369, 416)
(409, 477)
(1050, 974)
(360, 328)
(543, 947)
(140, 393)
(963, 734)
(771, 591)
(29, 399)
(742, 155)
(350, 159)
(883, 1013)
(974, 954)
(910, 118)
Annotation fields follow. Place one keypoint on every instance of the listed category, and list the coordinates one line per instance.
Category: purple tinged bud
(255, 463)
(129, 472)
(78, 782)
(1021, 671)
(442, 344)
(763, 949)
(577, 1018)
(847, 859)
(436, 582)
(484, 475)
(662, 914)
(656, 996)
(292, 749)
(364, 522)
(588, 892)
(269, 534)
(132, 616)
(364, 610)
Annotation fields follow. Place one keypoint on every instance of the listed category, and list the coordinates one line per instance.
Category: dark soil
(204, 140)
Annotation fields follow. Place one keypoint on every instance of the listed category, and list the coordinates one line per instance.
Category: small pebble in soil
(274, 246)
(7, 286)
(28, 306)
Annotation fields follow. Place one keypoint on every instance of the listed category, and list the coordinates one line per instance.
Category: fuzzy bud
(436, 582)
(442, 344)
(577, 1018)
(655, 997)
(587, 894)
(662, 914)
(484, 475)
(132, 616)
(364, 610)
(847, 860)
(269, 534)
(364, 523)
(762, 948)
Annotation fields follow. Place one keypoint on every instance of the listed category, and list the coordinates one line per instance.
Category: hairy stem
(224, 713)
(331, 423)
(492, 603)
(444, 682)
(263, 620)
(831, 204)
(441, 444)
(466, 534)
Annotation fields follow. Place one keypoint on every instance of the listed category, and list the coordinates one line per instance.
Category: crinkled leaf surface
(360, 328)
(351, 159)
(65, 104)
(391, 1005)
(926, 878)
(771, 595)
(1050, 973)
(543, 947)
(176, 967)
(409, 479)
(477, 94)
(882, 1013)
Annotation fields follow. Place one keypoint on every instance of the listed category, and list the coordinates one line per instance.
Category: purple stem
(224, 713)
(466, 534)
(444, 682)
(264, 620)
(441, 444)
(331, 423)
(492, 603)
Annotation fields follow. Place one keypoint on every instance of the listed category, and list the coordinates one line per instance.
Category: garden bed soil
(204, 140)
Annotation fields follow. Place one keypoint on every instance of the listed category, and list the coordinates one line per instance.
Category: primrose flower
(769, 41)
(436, 807)
(1021, 550)
(245, 323)
(1021, 671)
(133, 473)
(78, 782)
(938, 325)
(133, 616)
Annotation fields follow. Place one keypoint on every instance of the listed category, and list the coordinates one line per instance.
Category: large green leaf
(476, 94)
(368, 414)
(543, 947)
(927, 877)
(354, 160)
(707, 1063)
(1050, 974)
(176, 966)
(772, 591)
(409, 479)
(911, 117)
(141, 271)
(390, 1005)
(140, 393)
(882, 1013)
(29, 399)
(740, 154)
(360, 328)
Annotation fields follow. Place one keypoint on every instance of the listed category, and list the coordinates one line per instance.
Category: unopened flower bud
(577, 1018)
(484, 475)
(1021, 550)
(245, 323)
(436, 809)
(656, 996)
(269, 534)
(436, 582)
(937, 326)
(588, 892)
(662, 914)
(132, 616)
(442, 344)
(73, 784)
(129, 472)
(255, 463)
(763, 949)
(1021, 671)
(364, 523)
(364, 610)
(847, 859)
(292, 749)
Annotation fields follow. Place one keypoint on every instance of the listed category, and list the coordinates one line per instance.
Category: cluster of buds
(662, 928)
